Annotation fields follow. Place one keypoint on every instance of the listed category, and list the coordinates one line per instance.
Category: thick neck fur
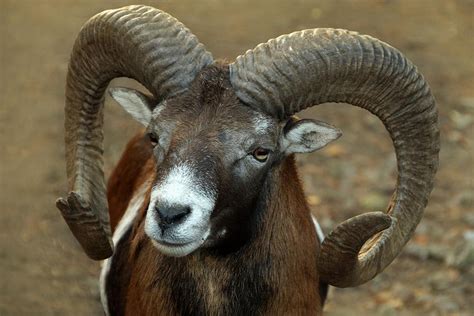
(273, 273)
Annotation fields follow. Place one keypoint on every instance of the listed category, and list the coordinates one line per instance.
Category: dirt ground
(44, 272)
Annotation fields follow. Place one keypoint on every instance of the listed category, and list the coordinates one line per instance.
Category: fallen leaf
(335, 151)
(313, 200)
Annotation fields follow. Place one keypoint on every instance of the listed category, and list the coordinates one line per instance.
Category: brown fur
(283, 253)
(132, 170)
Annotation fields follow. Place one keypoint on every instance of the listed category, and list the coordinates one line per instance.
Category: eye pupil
(261, 154)
(153, 139)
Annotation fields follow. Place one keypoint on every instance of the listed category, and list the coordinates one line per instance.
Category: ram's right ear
(137, 104)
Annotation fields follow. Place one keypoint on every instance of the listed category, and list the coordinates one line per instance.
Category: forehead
(223, 120)
(211, 105)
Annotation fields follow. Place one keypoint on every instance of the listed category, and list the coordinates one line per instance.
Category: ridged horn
(138, 42)
(306, 68)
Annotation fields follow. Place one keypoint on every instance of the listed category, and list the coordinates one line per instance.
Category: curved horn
(139, 42)
(302, 69)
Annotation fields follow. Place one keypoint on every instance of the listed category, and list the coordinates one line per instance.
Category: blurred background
(42, 268)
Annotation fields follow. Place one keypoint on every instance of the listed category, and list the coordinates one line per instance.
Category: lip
(179, 249)
(170, 244)
(176, 250)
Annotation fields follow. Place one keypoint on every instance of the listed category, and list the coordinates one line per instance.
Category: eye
(153, 139)
(260, 154)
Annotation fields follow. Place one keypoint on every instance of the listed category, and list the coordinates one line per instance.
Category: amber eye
(153, 139)
(261, 154)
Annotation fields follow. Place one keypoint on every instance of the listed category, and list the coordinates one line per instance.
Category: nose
(170, 215)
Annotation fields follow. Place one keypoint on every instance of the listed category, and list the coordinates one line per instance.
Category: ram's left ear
(137, 104)
(303, 136)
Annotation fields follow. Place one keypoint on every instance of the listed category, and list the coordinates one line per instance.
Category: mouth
(171, 244)
(179, 249)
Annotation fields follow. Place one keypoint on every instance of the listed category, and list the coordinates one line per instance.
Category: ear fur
(303, 136)
(137, 104)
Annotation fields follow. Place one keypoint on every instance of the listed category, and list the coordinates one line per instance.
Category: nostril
(180, 214)
(169, 215)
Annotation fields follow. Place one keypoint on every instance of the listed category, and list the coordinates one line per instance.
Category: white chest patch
(125, 223)
(319, 231)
